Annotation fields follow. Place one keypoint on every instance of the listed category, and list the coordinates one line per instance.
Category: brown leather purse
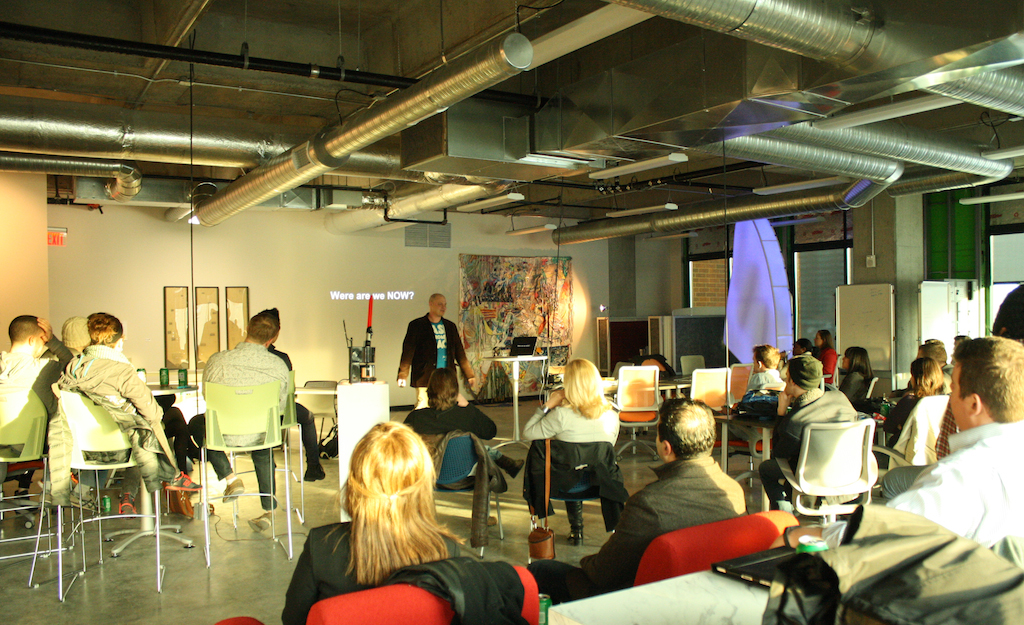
(542, 539)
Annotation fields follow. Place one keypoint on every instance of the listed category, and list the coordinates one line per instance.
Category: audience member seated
(104, 375)
(858, 374)
(826, 355)
(24, 367)
(248, 364)
(976, 491)
(936, 350)
(810, 405)
(803, 346)
(307, 428)
(578, 414)
(75, 334)
(690, 490)
(176, 431)
(765, 374)
(448, 411)
(389, 495)
(925, 381)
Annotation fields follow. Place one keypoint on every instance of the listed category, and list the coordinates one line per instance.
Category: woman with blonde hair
(925, 380)
(577, 414)
(389, 495)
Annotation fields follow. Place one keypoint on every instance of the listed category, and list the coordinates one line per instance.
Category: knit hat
(75, 334)
(805, 371)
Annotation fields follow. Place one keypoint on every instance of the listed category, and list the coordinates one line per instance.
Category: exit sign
(56, 239)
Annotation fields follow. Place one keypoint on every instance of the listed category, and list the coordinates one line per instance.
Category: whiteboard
(865, 317)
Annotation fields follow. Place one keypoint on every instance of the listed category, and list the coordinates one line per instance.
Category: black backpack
(329, 444)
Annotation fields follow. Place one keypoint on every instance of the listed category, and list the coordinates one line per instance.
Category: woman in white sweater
(578, 414)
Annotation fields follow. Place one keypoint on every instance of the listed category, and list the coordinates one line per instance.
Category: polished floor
(249, 573)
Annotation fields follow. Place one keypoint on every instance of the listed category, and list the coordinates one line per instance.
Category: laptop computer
(758, 568)
(523, 346)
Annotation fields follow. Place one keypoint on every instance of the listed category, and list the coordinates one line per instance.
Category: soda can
(165, 377)
(105, 504)
(182, 378)
(545, 604)
(810, 544)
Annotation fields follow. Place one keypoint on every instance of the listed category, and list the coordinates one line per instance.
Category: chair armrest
(899, 459)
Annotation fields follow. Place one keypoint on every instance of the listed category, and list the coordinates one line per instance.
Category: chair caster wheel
(177, 531)
(108, 540)
(190, 546)
(114, 555)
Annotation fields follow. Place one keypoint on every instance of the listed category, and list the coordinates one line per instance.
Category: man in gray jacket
(690, 490)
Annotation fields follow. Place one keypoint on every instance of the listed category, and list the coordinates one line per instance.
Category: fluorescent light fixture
(427, 116)
(796, 221)
(492, 202)
(669, 206)
(987, 199)
(801, 186)
(588, 29)
(1005, 153)
(632, 168)
(885, 111)
(547, 160)
(532, 230)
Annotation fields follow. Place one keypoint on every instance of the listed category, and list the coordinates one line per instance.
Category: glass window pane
(818, 273)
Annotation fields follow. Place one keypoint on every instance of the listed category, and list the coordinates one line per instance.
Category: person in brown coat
(690, 490)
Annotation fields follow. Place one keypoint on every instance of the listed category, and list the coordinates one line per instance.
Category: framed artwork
(176, 327)
(208, 323)
(237, 300)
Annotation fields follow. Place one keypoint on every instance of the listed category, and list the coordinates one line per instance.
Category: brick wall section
(708, 287)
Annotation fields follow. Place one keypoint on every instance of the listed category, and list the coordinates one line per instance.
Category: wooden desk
(703, 598)
(766, 426)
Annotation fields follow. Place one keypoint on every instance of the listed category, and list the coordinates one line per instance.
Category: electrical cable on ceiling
(986, 119)
(533, 8)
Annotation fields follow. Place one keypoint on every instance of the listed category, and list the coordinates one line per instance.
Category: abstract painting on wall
(503, 297)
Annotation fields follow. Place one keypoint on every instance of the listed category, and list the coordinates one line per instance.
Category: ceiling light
(669, 206)
(632, 168)
(586, 30)
(532, 230)
(801, 186)
(193, 220)
(500, 200)
(796, 221)
(885, 111)
(986, 199)
(546, 160)
(1005, 153)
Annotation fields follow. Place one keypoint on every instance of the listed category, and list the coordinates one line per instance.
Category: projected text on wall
(386, 295)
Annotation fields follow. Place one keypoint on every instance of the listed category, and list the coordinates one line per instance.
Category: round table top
(157, 389)
(514, 358)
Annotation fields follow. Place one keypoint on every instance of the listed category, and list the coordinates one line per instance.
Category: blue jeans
(774, 482)
(262, 460)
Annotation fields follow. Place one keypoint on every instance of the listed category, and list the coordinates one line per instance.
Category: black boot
(509, 465)
(574, 510)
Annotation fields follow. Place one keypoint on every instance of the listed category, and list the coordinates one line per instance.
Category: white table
(515, 360)
(703, 598)
(766, 426)
(360, 407)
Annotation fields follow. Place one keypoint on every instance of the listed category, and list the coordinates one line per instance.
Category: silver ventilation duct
(933, 181)
(410, 205)
(1000, 90)
(485, 67)
(744, 209)
(126, 183)
(905, 143)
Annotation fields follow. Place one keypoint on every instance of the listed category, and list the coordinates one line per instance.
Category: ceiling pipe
(126, 178)
(734, 211)
(905, 143)
(20, 32)
(449, 84)
(933, 180)
(999, 90)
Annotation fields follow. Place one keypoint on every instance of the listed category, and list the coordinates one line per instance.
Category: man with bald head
(431, 342)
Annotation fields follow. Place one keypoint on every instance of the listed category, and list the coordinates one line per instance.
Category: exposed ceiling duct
(1000, 90)
(927, 180)
(743, 209)
(126, 177)
(485, 67)
(413, 203)
(905, 143)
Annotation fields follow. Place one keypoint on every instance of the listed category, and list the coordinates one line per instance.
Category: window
(818, 273)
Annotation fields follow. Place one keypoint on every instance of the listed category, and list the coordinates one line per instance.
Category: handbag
(179, 502)
(542, 539)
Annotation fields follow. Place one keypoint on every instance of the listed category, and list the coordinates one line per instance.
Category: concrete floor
(249, 574)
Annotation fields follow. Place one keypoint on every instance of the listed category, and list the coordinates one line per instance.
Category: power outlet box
(870, 261)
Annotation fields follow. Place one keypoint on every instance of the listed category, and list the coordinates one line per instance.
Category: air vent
(428, 235)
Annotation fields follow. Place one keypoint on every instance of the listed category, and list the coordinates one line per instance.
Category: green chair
(288, 421)
(99, 443)
(238, 419)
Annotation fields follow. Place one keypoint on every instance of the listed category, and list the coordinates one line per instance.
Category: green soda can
(182, 378)
(142, 374)
(545, 604)
(105, 504)
(165, 377)
(810, 544)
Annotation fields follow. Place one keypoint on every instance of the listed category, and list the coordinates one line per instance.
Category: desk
(767, 426)
(665, 385)
(703, 598)
(514, 375)
(158, 390)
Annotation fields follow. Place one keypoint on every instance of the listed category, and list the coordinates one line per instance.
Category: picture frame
(176, 327)
(207, 313)
(236, 313)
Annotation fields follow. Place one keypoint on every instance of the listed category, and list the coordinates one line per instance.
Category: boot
(574, 510)
(509, 465)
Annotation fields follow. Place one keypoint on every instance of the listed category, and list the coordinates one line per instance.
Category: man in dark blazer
(690, 490)
(431, 342)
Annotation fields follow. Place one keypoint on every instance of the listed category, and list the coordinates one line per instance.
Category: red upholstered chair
(696, 548)
(239, 620)
(400, 604)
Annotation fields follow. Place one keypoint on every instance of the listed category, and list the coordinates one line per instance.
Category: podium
(514, 374)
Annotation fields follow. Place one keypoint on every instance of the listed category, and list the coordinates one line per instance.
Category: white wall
(23, 280)
(658, 276)
(119, 262)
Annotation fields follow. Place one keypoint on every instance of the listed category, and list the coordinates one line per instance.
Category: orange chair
(637, 400)
(696, 548)
(711, 386)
